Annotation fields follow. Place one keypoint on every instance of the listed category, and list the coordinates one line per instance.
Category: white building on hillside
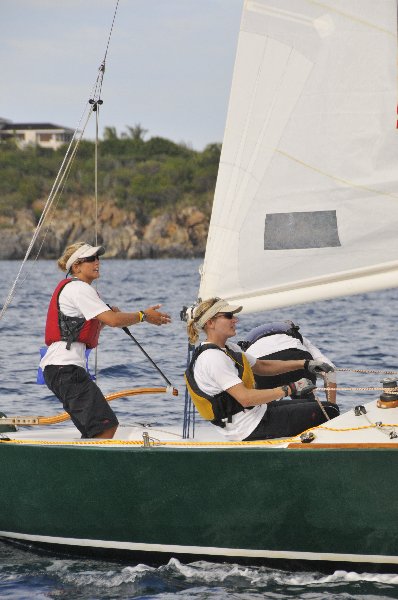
(45, 135)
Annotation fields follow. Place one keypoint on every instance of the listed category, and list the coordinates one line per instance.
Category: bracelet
(142, 316)
(286, 390)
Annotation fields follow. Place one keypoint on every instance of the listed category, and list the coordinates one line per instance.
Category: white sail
(306, 201)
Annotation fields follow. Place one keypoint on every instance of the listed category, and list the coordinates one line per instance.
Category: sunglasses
(226, 315)
(89, 259)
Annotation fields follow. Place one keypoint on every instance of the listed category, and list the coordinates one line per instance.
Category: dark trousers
(286, 418)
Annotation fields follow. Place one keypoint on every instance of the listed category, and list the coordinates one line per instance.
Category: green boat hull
(315, 504)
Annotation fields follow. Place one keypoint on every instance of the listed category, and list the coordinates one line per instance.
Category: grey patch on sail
(296, 230)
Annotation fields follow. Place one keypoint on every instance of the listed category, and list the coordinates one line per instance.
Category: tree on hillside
(110, 133)
(136, 133)
(146, 176)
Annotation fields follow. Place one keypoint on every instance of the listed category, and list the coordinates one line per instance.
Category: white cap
(84, 251)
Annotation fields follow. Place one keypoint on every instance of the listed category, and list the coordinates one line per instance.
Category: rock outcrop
(179, 234)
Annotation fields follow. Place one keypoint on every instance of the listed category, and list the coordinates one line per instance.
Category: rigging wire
(64, 170)
(189, 407)
(96, 109)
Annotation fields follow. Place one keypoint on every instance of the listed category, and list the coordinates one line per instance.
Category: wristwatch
(142, 316)
(286, 390)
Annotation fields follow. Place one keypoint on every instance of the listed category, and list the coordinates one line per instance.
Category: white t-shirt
(214, 373)
(77, 299)
(280, 341)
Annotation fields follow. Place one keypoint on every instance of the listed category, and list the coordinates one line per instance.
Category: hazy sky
(169, 64)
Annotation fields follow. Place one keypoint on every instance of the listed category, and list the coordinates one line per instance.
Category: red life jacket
(60, 327)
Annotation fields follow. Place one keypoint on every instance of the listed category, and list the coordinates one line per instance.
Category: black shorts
(81, 398)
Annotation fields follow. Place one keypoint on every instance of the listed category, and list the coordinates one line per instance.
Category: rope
(225, 444)
(393, 390)
(188, 410)
(381, 427)
(108, 442)
(325, 414)
(372, 426)
(112, 442)
(374, 371)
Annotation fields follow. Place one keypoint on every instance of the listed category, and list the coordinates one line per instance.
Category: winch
(389, 396)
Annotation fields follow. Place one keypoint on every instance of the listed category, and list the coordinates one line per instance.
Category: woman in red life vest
(76, 315)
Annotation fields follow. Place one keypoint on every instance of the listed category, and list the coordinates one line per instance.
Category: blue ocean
(356, 332)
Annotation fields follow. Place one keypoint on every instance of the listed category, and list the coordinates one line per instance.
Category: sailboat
(303, 211)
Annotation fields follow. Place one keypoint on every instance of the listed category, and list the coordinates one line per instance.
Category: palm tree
(137, 133)
(110, 133)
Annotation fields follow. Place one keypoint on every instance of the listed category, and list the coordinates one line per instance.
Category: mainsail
(306, 200)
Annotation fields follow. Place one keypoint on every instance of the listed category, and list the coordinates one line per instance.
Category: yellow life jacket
(222, 406)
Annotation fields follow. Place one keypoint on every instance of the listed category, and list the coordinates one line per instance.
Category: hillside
(154, 197)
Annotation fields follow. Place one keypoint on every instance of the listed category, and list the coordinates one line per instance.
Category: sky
(168, 69)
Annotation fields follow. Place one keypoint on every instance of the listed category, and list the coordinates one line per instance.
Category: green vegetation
(148, 177)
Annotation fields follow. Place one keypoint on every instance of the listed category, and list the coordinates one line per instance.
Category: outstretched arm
(117, 318)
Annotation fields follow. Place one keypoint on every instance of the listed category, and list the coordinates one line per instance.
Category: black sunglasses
(89, 259)
(226, 315)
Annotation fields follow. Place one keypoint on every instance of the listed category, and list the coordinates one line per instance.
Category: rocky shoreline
(178, 234)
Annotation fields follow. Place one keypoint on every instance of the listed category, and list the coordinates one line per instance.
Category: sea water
(356, 332)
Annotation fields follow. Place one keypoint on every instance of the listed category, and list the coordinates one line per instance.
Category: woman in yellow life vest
(221, 382)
